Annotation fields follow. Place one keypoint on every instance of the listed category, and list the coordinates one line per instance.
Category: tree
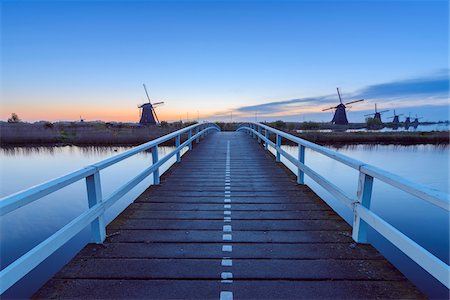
(14, 118)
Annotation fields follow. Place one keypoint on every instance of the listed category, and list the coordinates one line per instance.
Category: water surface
(24, 167)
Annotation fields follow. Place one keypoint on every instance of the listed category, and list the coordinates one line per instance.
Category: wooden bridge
(229, 222)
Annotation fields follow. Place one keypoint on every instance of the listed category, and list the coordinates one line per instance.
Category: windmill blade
(354, 101)
(328, 108)
(157, 103)
(369, 115)
(383, 111)
(148, 97)
(339, 94)
(154, 112)
(390, 117)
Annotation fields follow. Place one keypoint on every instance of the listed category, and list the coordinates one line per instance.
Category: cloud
(419, 90)
(418, 87)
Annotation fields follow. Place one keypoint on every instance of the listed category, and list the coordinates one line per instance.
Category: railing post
(155, 160)
(301, 158)
(196, 132)
(94, 193)
(278, 139)
(266, 145)
(259, 131)
(253, 132)
(177, 144)
(365, 184)
(189, 136)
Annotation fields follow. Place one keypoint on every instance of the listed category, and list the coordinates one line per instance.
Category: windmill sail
(148, 115)
(340, 115)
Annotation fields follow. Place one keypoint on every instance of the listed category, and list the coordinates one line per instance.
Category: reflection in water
(88, 151)
(21, 230)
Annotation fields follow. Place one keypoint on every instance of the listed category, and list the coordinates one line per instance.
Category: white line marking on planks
(226, 295)
(227, 262)
(227, 248)
(227, 237)
(227, 228)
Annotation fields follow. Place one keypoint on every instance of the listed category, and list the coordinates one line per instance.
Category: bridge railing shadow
(98, 204)
(363, 216)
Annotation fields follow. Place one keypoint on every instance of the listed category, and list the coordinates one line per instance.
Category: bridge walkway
(228, 222)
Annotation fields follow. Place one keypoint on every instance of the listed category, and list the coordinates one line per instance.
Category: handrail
(97, 203)
(363, 216)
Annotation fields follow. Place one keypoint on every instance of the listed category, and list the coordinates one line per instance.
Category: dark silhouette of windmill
(408, 121)
(148, 113)
(415, 123)
(340, 116)
(377, 114)
(395, 119)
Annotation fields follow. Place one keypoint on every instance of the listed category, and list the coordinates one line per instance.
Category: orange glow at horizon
(98, 113)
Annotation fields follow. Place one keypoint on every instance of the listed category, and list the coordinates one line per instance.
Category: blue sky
(279, 59)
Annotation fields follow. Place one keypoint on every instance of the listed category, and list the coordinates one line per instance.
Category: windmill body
(340, 115)
(147, 117)
(395, 119)
(377, 114)
(415, 123)
(148, 113)
(407, 122)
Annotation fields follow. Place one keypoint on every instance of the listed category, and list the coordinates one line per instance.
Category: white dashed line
(227, 262)
(227, 237)
(227, 248)
(225, 295)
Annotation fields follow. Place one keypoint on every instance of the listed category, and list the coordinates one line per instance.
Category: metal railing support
(189, 136)
(155, 160)
(259, 131)
(364, 194)
(94, 194)
(196, 132)
(301, 158)
(278, 140)
(266, 144)
(177, 144)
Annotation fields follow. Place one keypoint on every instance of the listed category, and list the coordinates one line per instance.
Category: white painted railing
(97, 203)
(363, 216)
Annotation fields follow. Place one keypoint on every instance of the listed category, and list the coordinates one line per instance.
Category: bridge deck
(271, 238)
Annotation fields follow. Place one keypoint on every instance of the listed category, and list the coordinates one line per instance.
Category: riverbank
(104, 134)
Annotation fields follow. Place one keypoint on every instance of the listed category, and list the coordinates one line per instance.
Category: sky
(223, 60)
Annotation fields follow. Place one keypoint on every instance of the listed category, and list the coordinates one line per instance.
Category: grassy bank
(117, 134)
(396, 138)
(93, 134)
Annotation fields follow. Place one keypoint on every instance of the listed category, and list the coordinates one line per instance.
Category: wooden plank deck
(173, 241)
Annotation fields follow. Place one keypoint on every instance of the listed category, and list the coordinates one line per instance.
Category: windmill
(408, 121)
(395, 118)
(148, 113)
(415, 123)
(340, 117)
(377, 114)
